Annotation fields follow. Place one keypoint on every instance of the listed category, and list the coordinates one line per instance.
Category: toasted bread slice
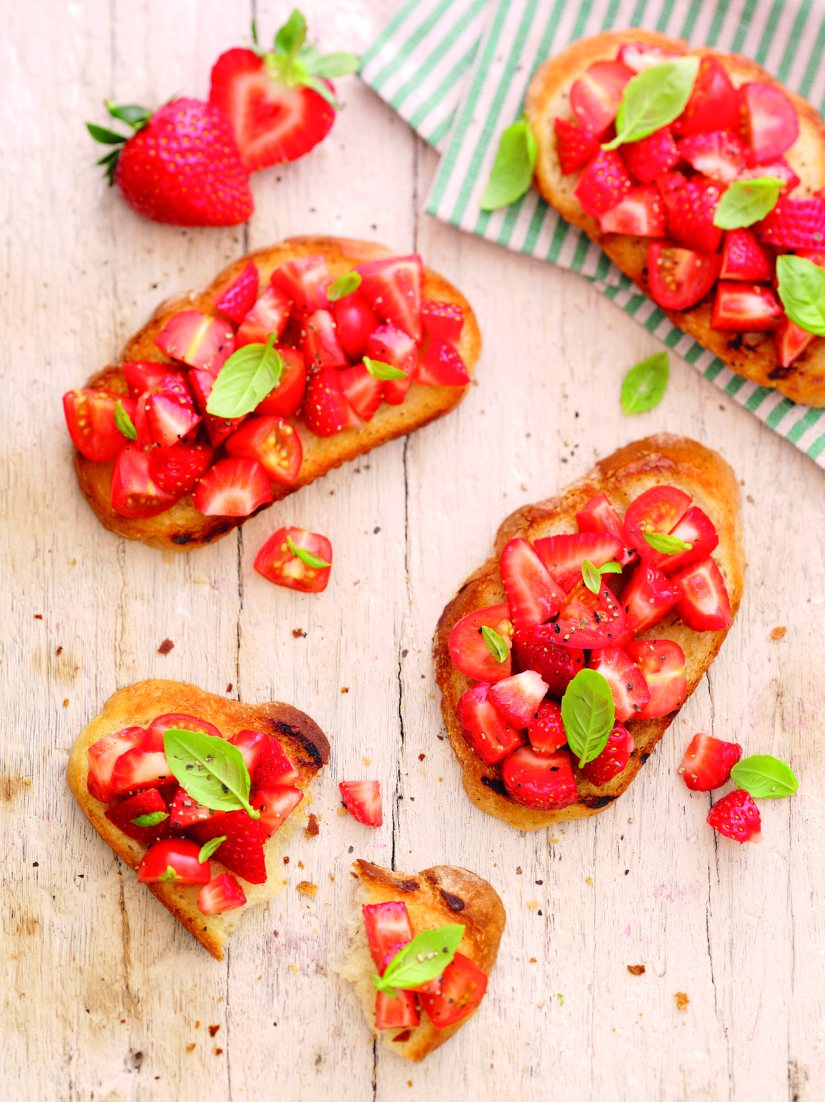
(138, 705)
(182, 527)
(434, 897)
(657, 460)
(752, 355)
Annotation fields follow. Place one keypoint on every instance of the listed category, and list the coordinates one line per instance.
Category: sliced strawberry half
(603, 184)
(217, 428)
(233, 488)
(626, 681)
(440, 364)
(532, 595)
(275, 803)
(239, 297)
(613, 759)
(518, 698)
(484, 727)
(745, 308)
(704, 604)
(596, 95)
(222, 893)
(140, 768)
(170, 412)
(640, 214)
(537, 649)
(743, 257)
(197, 339)
(589, 620)
(771, 121)
(362, 799)
(387, 926)
(102, 757)
(268, 315)
(662, 663)
(185, 811)
(243, 850)
(303, 281)
(144, 375)
(599, 515)
(564, 555)
(697, 529)
(651, 157)
(320, 346)
(149, 802)
(546, 730)
(690, 207)
(363, 392)
(649, 596)
(719, 155)
(391, 345)
(707, 762)
(266, 760)
(791, 341)
(714, 103)
(574, 145)
(541, 781)
(795, 224)
(326, 410)
(393, 288)
(737, 816)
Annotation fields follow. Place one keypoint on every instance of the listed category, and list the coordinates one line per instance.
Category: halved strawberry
(708, 761)
(355, 319)
(217, 428)
(639, 56)
(651, 157)
(391, 345)
(198, 340)
(532, 595)
(304, 280)
(745, 308)
(695, 528)
(233, 488)
(537, 649)
(596, 95)
(542, 781)
(564, 555)
(626, 681)
(589, 620)
(362, 800)
(690, 206)
(178, 468)
(170, 412)
(771, 121)
(363, 391)
(275, 803)
(387, 926)
(442, 320)
(640, 214)
(795, 224)
(133, 493)
(599, 515)
(649, 596)
(239, 297)
(662, 663)
(148, 802)
(266, 760)
(546, 730)
(574, 145)
(326, 410)
(320, 346)
(243, 850)
(102, 757)
(441, 365)
(719, 155)
(743, 257)
(791, 341)
(222, 893)
(603, 184)
(714, 103)
(704, 604)
(613, 759)
(679, 278)
(184, 811)
(393, 288)
(268, 315)
(518, 698)
(484, 727)
(737, 816)
(140, 768)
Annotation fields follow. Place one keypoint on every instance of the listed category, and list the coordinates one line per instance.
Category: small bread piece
(138, 705)
(434, 897)
(752, 354)
(182, 527)
(656, 460)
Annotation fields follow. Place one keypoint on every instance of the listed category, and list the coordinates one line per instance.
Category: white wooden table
(105, 996)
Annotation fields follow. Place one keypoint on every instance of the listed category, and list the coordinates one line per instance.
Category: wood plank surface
(103, 994)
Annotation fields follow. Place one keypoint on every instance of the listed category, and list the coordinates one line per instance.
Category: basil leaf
(208, 848)
(588, 714)
(343, 285)
(211, 770)
(334, 65)
(290, 38)
(668, 545)
(124, 423)
(306, 556)
(645, 384)
(421, 960)
(512, 171)
(802, 291)
(169, 874)
(495, 643)
(653, 99)
(611, 568)
(591, 576)
(764, 776)
(380, 370)
(150, 819)
(245, 380)
(744, 202)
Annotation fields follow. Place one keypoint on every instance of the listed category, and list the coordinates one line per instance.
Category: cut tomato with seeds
(714, 103)
(649, 596)
(442, 320)
(662, 663)
(275, 444)
(613, 759)
(144, 375)
(363, 391)
(387, 927)
(771, 121)
(704, 605)
(546, 730)
(743, 257)
(650, 157)
(267, 316)
(197, 339)
(441, 365)
(640, 214)
(737, 816)
(603, 183)
(564, 555)
(533, 596)
(589, 620)
(695, 528)
(102, 757)
(177, 469)
(574, 145)
(173, 859)
(626, 681)
(355, 320)
(275, 803)
(399, 1012)
(239, 297)
(266, 760)
(679, 278)
(518, 698)
(707, 762)
(460, 990)
(362, 799)
(148, 802)
(599, 515)
(320, 346)
(745, 307)
(485, 729)
(326, 410)
(281, 564)
(233, 488)
(658, 509)
(285, 399)
(222, 893)
(595, 97)
(468, 650)
(133, 493)
(181, 721)
(90, 419)
(541, 781)
(719, 155)
(537, 649)
(393, 288)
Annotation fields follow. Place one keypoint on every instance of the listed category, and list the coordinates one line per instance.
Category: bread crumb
(636, 969)
(213, 1029)
(191, 1046)
(589, 881)
(294, 967)
(306, 887)
(681, 1001)
(300, 864)
(298, 633)
(197, 1023)
(286, 860)
(58, 651)
(342, 812)
(65, 702)
(312, 828)
(217, 1051)
(553, 841)
(165, 646)
(345, 688)
(366, 761)
(532, 960)
(533, 904)
(779, 633)
(229, 686)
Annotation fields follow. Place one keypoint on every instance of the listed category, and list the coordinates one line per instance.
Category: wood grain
(101, 989)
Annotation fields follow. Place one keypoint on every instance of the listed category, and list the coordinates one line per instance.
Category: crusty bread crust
(751, 354)
(435, 897)
(182, 527)
(138, 705)
(675, 460)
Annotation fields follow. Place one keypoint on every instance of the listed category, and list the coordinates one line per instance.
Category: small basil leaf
(211, 770)
(124, 423)
(305, 556)
(802, 291)
(495, 643)
(290, 38)
(591, 576)
(668, 545)
(169, 874)
(101, 134)
(512, 171)
(653, 99)
(334, 65)
(611, 568)
(208, 848)
(150, 819)
(383, 371)
(645, 384)
(764, 776)
(744, 202)
(245, 380)
(343, 285)
(588, 714)
(421, 960)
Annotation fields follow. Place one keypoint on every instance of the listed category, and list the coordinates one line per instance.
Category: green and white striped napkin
(457, 72)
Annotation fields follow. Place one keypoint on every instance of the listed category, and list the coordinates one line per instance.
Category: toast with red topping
(206, 865)
(181, 476)
(576, 584)
(650, 203)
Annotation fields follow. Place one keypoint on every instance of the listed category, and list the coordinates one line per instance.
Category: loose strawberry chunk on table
(708, 761)
(362, 800)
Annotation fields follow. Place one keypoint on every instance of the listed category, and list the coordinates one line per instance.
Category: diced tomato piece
(532, 594)
(649, 596)
(639, 56)
(265, 758)
(133, 493)
(391, 345)
(363, 391)
(626, 681)
(564, 555)
(541, 781)
(678, 277)
(355, 320)
(388, 927)
(791, 341)
(518, 698)
(705, 605)
(143, 375)
(744, 257)
(658, 509)
(537, 649)
(177, 469)
(233, 488)
(197, 339)
(771, 121)
(708, 761)
(304, 281)
(326, 410)
(170, 412)
(695, 528)
(546, 730)
(589, 620)
(173, 859)
(596, 95)
(278, 563)
(400, 1012)
(471, 655)
(362, 799)
(285, 399)
(148, 802)
(745, 307)
(662, 663)
(393, 288)
(714, 103)
(599, 515)
(181, 721)
(269, 315)
(484, 728)
(275, 444)
(239, 297)
(613, 759)
(223, 893)
(641, 213)
(441, 365)
(461, 989)
(275, 803)
(442, 320)
(90, 419)
(102, 756)
(140, 768)
(320, 346)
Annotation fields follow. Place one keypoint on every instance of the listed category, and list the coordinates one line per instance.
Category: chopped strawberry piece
(441, 365)
(222, 893)
(442, 320)
(537, 649)
(596, 95)
(243, 850)
(777, 170)
(649, 596)
(484, 727)
(265, 758)
(102, 757)
(771, 121)
(170, 412)
(690, 207)
(640, 214)
(393, 288)
(185, 811)
(651, 157)
(626, 681)
(144, 375)
(603, 184)
(546, 731)
(326, 410)
(662, 663)
(217, 428)
(704, 604)
(696, 528)
(589, 619)
(198, 340)
(387, 927)
(791, 341)
(795, 224)
(745, 308)
(719, 155)
(518, 698)
(149, 802)
(532, 594)
(574, 145)
(362, 799)
(541, 781)
(708, 761)
(613, 759)
(355, 320)
(398, 1012)
(303, 280)
(564, 555)
(268, 315)
(140, 768)
(639, 56)
(275, 803)
(363, 392)
(320, 346)
(239, 297)
(714, 103)
(737, 816)
(743, 257)
(176, 470)
(598, 515)
(233, 488)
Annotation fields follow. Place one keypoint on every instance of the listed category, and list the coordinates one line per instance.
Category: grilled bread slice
(673, 460)
(434, 897)
(182, 527)
(138, 705)
(753, 354)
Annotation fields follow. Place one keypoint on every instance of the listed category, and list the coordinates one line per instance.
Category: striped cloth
(457, 72)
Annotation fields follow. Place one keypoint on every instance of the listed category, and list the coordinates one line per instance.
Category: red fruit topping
(532, 595)
(640, 214)
(355, 320)
(744, 258)
(102, 757)
(239, 297)
(265, 758)
(143, 375)
(285, 399)
(517, 699)
(737, 816)
(649, 596)
(278, 563)
(362, 800)
(745, 308)
(133, 493)
(391, 345)
(598, 515)
(320, 346)
(719, 155)
(777, 170)
(485, 728)
(651, 157)
(387, 927)
(708, 761)
(326, 410)
(714, 103)
(441, 365)
(613, 758)
(198, 340)
(791, 342)
(596, 95)
(243, 850)
(185, 811)
(275, 803)
(537, 649)
(541, 781)
(679, 278)
(662, 663)
(771, 122)
(393, 288)
(268, 315)
(175, 860)
(176, 470)
(564, 555)
(705, 605)
(273, 442)
(589, 619)
(217, 428)
(640, 55)
(471, 655)
(795, 224)
(574, 145)
(223, 893)
(304, 281)
(170, 412)
(459, 991)
(603, 184)
(546, 732)
(90, 419)
(400, 1012)
(233, 488)
(626, 681)
(363, 392)
(656, 510)
(695, 528)
(690, 207)
(150, 802)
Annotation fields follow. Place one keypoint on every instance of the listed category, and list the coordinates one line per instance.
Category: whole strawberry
(180, 165)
